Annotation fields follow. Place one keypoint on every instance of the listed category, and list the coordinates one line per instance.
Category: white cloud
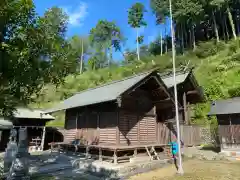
(77, 15)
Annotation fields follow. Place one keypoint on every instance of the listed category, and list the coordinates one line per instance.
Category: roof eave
(194, 82)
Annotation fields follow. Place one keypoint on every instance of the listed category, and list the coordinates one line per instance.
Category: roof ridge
(168, 74)
(116, 81)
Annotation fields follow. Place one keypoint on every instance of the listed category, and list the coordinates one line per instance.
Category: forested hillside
(216, 68)
(41, 66)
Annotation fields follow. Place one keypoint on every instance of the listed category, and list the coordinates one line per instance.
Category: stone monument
(20, 165)
(11, 150)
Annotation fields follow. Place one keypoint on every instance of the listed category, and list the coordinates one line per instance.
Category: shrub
(234, 92)
(234, 45)
(210, 48)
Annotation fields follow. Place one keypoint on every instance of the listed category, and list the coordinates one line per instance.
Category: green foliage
(35, 56)
(206, 49)
(234, 46)
(140, 39)
(79, 48)
(33, 49)
(105, 36)
(136, 15)
(234, 92)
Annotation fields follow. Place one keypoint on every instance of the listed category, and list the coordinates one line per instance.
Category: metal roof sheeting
(111, 91)
(5, 124)
(226, 106)
(180, 78)
(104, 93)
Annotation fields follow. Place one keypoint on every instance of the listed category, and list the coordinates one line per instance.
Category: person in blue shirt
(174, 148)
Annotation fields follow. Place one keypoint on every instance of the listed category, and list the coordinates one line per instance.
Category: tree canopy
(105, 36)
(35, 51)
(32, 51)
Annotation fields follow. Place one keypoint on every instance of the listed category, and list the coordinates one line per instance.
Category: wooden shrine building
(33, 120)
(227, 112)
(128, 114)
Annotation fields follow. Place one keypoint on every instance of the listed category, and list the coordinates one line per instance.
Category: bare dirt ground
(195, 170)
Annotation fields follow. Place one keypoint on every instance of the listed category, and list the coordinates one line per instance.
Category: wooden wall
(94, 124)
(229, 136)
(134, 122)
(137, 119)
(136, 129)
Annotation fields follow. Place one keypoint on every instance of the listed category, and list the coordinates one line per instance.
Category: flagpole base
(180, 171)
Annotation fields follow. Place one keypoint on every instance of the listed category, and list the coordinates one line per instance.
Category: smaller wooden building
(133, 113)
(227, 112)
(34, 120)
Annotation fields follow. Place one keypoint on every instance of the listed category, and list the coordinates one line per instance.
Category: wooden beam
(185, 108)
(163, 101)
(119, 101)
(192, 92)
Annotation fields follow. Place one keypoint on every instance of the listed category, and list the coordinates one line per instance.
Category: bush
(234, 92)
(234, 45)
(210, 48)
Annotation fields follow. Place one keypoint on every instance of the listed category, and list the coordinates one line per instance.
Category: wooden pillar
(115, 157)
(138, 128)
(156, 124)
(43, 138)
(98, 126)
(87, 151)
(76, 121)
(188, 113)
(135, 152)
(231, 131)
(100, 154)
(185, 108)
(117, 129)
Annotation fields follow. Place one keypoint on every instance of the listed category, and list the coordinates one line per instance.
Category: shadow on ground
(65, 166)
(211, 148)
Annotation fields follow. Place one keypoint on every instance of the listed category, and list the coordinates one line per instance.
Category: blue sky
(83, 15)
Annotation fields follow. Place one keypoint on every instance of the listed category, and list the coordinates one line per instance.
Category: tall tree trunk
(110, 56)
(138, 54)
(182, 38)
(226, 27)
(161, 41)
(215, 26)
(193, 38)
(237, 25)
(81, 63)
(190, 39)
(223, 26)
(106, 56)
(185, 36)
(231, 23)
(166, 44)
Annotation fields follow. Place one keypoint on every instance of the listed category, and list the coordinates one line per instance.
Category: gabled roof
(24, 113)
(31, 114)
(225, 106)
(5, 124)
(182, 77)
(169, 81)
(104, 93)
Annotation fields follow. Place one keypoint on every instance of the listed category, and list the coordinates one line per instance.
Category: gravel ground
(195, 169)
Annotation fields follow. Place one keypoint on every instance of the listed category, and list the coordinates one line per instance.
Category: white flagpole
(180, 167)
